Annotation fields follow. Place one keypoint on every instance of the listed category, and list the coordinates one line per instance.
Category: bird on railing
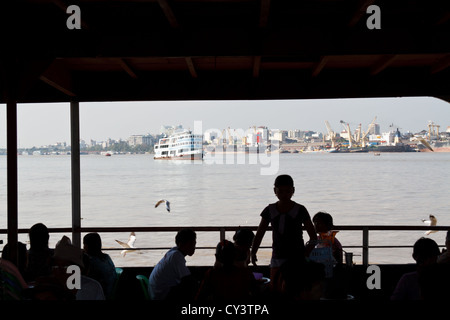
(161, 201)
(129, 244)
(432, 222)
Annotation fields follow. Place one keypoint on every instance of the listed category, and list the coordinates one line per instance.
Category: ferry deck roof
(223, 49)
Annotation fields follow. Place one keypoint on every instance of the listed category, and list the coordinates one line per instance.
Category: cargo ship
(437, 146)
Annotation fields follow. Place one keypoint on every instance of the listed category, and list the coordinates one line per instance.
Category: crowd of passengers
(294, 272)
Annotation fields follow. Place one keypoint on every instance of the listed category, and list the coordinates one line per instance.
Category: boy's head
(284, 180)
(186, 239)
(323, 221)
(284, 187)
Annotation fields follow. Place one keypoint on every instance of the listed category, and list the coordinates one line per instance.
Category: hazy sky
(42, 124)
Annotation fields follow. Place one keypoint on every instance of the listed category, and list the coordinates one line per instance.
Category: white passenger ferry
(181, 145)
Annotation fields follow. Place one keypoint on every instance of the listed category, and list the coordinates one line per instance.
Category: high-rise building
(375, 129)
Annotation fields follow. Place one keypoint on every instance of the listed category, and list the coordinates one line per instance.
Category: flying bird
(167, 204)
(423, 141)
(431, 222)
(129, 244)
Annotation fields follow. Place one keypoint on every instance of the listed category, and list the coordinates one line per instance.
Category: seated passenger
(226, 281)
(243, 239)
(100, 266)
(434, 282)
(444, 257)
(425, 252)
(39, 254)
(171, 279)
(55, 286)
(22, 256)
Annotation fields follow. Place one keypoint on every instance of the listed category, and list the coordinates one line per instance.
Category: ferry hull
(182, 157)
(439, 149)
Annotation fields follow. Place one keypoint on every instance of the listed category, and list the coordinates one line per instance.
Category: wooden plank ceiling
(223, 49)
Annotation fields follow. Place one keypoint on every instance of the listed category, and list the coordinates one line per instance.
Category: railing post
(365, 246)
(222, 234)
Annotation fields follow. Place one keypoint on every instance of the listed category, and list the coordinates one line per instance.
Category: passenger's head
(244, 237)
(92, 244)
(323, 221)
(38, 237)
(67, 254)
(284, 187)
(21, 255)
(186, 239)
(425, 251)
(226, 253)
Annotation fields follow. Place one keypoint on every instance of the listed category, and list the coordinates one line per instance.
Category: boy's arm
(258, 238)
(312, 236)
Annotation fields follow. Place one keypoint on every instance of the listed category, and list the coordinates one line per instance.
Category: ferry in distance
(182, 145)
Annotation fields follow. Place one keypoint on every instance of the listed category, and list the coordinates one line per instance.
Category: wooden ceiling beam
(126, 67)
(191, 67)
(168, 12)
(382, 64)
(320, 65)
(287, 84)
(256, 66)
(264, 15)
(441, 64)
(360, 11)
(443, 18)
(59, 77)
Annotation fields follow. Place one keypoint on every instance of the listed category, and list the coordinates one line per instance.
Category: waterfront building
(140, 139)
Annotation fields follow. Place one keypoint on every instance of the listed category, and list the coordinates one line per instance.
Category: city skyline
(47, 124)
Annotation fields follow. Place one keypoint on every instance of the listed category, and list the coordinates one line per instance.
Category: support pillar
(75, 165)
(12, 181)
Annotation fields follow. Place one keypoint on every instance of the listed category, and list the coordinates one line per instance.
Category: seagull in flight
(431, 222)
(129, 244)
(167, 204)
(424, 142)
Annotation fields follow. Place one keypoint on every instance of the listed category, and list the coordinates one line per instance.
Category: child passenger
(323, 222)
(288, 218)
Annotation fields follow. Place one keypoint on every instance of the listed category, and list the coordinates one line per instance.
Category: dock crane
(433, 130)
(346, 126)
(363, 138)
(222, 138)
(331, 134)
(231, 138)
(358, 135)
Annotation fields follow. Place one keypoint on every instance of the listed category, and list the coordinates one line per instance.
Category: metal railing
(365, 230)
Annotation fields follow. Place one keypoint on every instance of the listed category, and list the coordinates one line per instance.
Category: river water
(121, 191)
